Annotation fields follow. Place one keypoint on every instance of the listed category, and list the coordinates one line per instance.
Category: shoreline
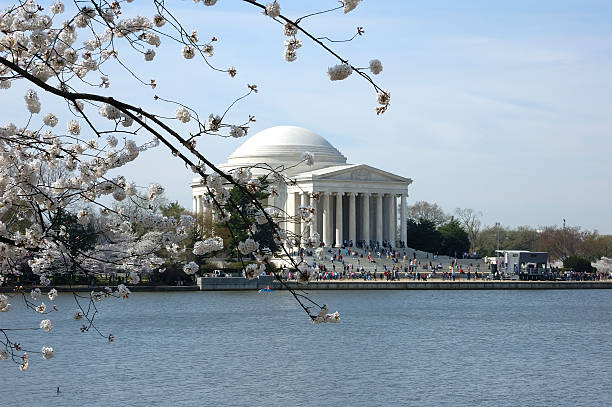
(450, 285)
(240, 284)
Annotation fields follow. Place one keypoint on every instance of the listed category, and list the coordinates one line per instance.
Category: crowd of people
(374, 261)
(367, 263)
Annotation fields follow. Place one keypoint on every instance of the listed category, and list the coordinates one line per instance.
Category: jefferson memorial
(356, 202)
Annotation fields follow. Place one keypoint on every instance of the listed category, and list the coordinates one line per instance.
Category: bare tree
(428, 211)
(562, 242)
(471, 222)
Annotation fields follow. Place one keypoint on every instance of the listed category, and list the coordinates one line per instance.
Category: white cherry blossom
(349, 5)
(183, 115)
(52, 294)
(339, 72)
(47, 352)
(191, 268)
(376, 66)
(272, 9)
(45, 325)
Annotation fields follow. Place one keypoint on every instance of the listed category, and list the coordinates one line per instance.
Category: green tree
(14, 220)
(455, 239)
(423, 235)
(76, 237)
(493, 237)
(488, 238)
(172, 210)
(579, 264)
(242, 217)
(522, 238)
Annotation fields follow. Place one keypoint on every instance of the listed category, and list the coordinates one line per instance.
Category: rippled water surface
(423, 348)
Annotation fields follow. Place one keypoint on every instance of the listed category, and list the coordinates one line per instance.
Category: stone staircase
(379, 259)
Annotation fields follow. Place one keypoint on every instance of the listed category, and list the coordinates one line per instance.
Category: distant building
(356, 202)
(517, 261)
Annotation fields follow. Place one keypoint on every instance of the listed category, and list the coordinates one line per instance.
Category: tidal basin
(425, 348)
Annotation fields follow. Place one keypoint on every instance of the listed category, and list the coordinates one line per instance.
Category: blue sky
(503, 107)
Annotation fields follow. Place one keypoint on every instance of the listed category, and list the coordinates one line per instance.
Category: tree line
(431, 229)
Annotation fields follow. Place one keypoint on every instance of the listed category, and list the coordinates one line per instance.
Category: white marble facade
(356, 202)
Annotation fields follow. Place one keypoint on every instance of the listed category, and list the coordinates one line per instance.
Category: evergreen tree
(77, 238)
(455, 239)
(579, 264)
(173, 210)
(242, 217)
(422, 235)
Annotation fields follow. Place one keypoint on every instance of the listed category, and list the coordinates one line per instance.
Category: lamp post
(497, 254)
(539, 232)
(497, 234)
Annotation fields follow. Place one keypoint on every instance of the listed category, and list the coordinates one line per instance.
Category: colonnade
(200, 209)
(354, 217)
(368, 217)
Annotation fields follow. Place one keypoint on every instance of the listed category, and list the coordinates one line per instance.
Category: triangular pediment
(357, 172)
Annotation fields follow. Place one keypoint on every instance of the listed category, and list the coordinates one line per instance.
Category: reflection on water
(499, 348)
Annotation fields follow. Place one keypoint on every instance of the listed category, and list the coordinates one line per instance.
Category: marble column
(366, 217)
(315, 223)
(201, 213)
(403, 226)
(214, 212)
(305, 225)
(272, 198)
(296, 217)
(201, 208)
(391, 220)
(207, 215)
(327, 236)
(339, 230)
(379, 218)
(195, 205)
(352, 218)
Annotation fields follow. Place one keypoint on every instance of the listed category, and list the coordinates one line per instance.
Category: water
(423, 348)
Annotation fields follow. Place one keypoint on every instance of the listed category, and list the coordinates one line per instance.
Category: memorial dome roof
(284, 145)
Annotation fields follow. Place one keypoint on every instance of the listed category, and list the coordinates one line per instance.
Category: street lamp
(497, 254)
(497, 234)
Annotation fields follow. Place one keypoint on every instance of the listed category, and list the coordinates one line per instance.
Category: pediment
(359, 173)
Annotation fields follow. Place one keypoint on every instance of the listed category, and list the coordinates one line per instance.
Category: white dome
(283, 146)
